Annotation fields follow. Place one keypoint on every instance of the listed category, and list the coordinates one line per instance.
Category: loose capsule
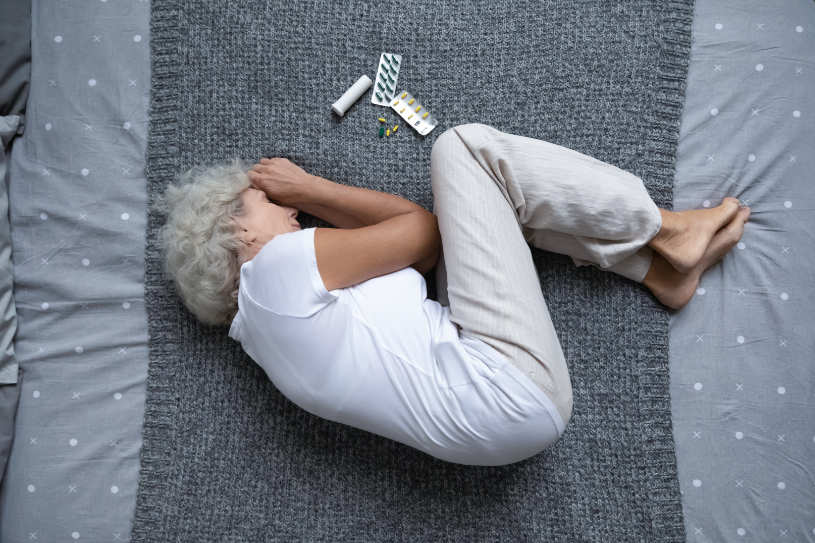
(411, 101)
(426, 113)
(381, 131)
(403, 94)
(395, 128)
(388, 132)
(382, 120)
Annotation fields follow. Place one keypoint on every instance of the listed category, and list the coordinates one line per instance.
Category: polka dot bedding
(741, 351)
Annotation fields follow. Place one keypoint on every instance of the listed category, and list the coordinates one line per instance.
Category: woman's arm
(354, 207)
(345, 206)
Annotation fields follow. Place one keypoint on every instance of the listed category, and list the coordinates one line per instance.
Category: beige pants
(495, 192)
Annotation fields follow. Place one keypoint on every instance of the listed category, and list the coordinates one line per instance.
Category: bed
(741, 351)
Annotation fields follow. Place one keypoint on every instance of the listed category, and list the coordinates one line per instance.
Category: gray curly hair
(199, 239)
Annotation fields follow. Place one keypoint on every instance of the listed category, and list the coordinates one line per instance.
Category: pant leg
(486, 273)
(568, 202)
(493, 193)
(634, 267)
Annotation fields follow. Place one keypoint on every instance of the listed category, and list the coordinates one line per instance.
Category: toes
(729, 207)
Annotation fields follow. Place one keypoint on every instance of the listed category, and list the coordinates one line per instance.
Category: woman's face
(262, 221)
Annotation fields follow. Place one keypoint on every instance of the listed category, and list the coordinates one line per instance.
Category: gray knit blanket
(226, 457)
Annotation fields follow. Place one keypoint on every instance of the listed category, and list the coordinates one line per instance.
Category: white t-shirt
(381, 357)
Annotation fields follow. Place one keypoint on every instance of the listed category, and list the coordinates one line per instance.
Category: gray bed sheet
(743, 351)
(77, 194)
(77, 213)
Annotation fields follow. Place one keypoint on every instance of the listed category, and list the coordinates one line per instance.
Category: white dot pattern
(83, 183)
(740, 348)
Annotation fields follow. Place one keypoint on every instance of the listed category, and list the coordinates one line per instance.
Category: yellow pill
(411, 115)
(426, 113)
(395, 127)
(403, 95)
(418, 108)
(411, 101)
(396, 101)
(382, 120)
(401, 110)
(388, 132)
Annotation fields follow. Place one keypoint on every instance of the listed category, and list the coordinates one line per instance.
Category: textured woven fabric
(225, 456)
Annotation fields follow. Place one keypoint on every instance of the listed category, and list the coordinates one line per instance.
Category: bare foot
(685, 235)
(675, 289)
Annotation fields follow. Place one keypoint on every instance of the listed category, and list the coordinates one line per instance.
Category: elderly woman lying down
(339, 318)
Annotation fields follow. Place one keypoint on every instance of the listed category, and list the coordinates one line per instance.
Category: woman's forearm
(345, 206)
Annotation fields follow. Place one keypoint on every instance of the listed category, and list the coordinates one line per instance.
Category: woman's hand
(283, 181)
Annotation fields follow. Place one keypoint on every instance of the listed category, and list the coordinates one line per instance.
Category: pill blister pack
(414, 113)
(385, 82)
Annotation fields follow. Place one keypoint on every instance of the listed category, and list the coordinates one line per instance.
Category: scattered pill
(382, 120)
(426, 113)
(403, 95)
(411, 101)
(381, 131)
(395, 127)
(418, 108)
(388, 132)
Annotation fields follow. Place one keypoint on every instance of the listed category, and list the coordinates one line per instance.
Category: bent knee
(450, 140)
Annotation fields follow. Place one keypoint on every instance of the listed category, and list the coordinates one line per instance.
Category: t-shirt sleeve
(283, 277)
